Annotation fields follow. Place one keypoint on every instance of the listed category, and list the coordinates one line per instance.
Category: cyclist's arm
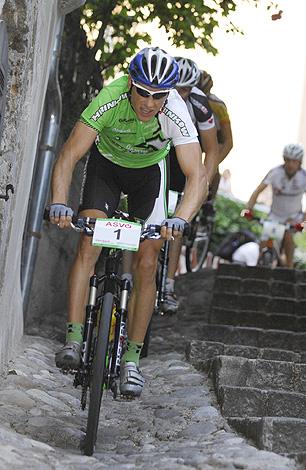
(252, 201)
(79, 142)
(210, 146)
(227, 140)
(189, 157)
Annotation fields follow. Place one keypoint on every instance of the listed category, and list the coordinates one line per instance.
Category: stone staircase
(253, 344)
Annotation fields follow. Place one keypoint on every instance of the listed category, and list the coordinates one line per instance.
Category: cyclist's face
(184, 91)
(145, 107)
(292, 166)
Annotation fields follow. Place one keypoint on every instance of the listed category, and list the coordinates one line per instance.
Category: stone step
(282, 321)
(258, 373)
(257, 337)
(201, 353)
(297, 276)
(255, 302)
(273, 288)
(187, 284)
(280, 435)
(246, 401)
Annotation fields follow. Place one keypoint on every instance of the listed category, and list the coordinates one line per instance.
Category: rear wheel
(266, 259)
(146, 343)
(98, 375)
(197, 248)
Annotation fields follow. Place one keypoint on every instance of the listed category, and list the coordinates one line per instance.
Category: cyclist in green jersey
(128, 129)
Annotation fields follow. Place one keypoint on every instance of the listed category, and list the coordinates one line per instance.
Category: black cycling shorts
(178, 179)
(104, 182)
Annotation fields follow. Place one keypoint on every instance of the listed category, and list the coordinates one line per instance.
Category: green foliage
(115, 25)
(228, 219)
(300, 251)
(100, 39)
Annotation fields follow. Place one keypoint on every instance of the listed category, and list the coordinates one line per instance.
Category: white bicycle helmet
(294, 152)
(154, 67)
(189, 73)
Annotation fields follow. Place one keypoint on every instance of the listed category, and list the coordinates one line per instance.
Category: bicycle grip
(46, 215)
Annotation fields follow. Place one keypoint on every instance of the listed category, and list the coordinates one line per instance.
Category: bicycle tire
(268, 259)
(146, 342)
(98, 375)
(196, 252)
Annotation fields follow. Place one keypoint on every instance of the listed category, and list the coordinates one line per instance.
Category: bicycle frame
(108, 282)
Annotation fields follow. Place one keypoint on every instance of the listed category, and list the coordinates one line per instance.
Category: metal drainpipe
(45, 158)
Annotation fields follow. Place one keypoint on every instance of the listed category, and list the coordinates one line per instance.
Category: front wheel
(98, 375)
(197, 248)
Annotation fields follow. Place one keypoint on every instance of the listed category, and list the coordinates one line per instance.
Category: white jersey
(176, 123)
(199, 110)
(287, 193)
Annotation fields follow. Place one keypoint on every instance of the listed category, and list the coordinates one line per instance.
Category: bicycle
(271, 239)
(198, 240)
(105, 322)
(161, 278)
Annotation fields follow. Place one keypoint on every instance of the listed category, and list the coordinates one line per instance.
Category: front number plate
(115, 233)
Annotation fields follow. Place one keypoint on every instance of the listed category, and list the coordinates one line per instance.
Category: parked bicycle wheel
(198, 243)
(98, 375)
(268, 259)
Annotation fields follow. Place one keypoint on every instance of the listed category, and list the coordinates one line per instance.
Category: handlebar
(249, 215)
(86, 225)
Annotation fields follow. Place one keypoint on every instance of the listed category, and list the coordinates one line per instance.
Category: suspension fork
(120, 332)
(163, 273)
(90, 321)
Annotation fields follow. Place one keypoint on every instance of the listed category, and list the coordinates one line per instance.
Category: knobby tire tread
(99, 363)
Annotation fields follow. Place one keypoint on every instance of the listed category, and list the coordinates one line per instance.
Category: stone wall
(31, 26)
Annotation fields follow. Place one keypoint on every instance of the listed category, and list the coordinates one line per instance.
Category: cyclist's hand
(247, 213)
(299, 226)
(61, 215)
(173, 227)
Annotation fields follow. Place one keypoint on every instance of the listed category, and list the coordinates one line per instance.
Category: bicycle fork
(120, 329)
(163, 275)
(82, 375)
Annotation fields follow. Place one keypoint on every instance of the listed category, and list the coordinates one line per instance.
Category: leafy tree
(100, 38)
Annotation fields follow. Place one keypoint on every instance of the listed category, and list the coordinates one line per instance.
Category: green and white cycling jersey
(126, 140)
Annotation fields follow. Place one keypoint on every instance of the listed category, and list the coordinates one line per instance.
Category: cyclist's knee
(147, 263)
(87, 253)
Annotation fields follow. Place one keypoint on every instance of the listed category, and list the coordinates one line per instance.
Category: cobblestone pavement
(175, 424)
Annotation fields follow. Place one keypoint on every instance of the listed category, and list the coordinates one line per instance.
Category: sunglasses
(156, 95)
